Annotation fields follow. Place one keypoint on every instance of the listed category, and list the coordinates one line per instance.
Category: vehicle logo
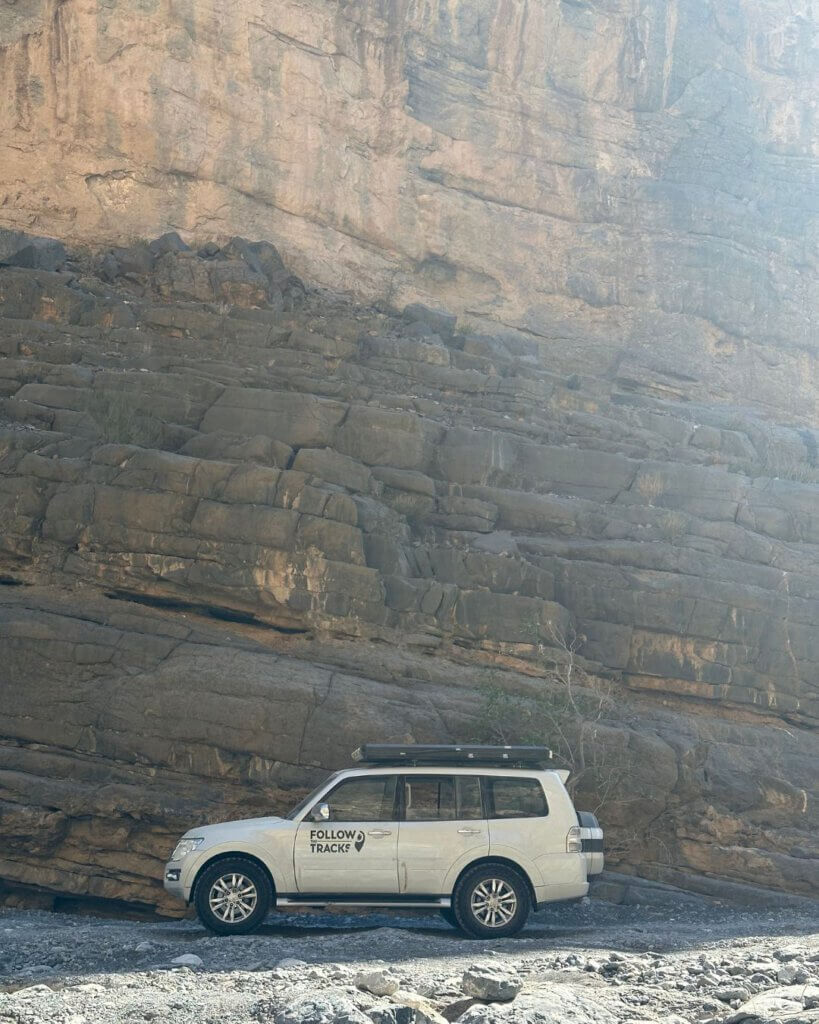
(336, 840)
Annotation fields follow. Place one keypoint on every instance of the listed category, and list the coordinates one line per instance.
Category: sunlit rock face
(630, 182)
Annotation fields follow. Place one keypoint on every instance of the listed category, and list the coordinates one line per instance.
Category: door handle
(380, 832)
(470, 831)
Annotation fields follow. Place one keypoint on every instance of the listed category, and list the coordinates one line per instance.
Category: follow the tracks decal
(336, 840)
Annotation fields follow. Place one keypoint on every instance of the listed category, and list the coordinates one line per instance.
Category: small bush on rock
(575, 713)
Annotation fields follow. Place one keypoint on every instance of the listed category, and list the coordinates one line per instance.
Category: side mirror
(321, 812)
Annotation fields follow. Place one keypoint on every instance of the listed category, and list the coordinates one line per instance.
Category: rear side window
(442, 798)
(515, 798)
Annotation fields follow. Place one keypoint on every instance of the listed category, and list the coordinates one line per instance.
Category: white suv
(484, 834)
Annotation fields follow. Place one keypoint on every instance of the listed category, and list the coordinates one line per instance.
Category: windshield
(307, 800)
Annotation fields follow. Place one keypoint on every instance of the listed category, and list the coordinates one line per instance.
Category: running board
(309, 899)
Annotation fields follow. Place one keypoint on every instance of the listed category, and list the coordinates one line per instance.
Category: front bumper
(174, 880)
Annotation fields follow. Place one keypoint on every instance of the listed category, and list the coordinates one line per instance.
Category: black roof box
(444, 754)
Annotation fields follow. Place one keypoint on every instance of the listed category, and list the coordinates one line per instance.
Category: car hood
(215, 833)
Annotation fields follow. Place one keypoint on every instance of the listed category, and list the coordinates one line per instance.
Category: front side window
(442, 798)
(306, 801)
(363, 799)
(516, 798)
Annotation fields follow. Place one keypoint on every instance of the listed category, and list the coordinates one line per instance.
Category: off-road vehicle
(483, 834)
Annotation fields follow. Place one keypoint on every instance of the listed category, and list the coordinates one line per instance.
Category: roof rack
(444, 754)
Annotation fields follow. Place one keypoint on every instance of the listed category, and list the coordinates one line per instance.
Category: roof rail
(445, 754)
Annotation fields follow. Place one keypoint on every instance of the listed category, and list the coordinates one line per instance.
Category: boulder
(185, 275)
(411, 1008)
(379, 982)
(237, 283)
(169, 242)
(393, 1015)
(270, 262)
(551, 1004)
(109, 268)
(490, 984)
(136, 260)
(776, 1006)
(318, 1009)
(188, 960)
(18, 249)
(438, 322)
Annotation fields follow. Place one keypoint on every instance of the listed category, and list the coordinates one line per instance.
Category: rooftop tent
(443, 754)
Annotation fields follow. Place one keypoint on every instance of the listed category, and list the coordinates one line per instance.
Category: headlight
(184, 847)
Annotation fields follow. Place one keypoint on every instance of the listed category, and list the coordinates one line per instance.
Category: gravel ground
(581, 962)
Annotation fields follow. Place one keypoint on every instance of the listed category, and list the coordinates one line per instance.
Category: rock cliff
(247, 524)
(630, 183)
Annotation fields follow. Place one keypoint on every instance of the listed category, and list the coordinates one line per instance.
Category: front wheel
(233, 896)
(492, 901)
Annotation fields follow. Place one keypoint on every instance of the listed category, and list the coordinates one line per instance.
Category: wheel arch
(507, 863)
(229, 855)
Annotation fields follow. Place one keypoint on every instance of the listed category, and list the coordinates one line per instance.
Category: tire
(491, 891)
(234, 887)
(448, 914)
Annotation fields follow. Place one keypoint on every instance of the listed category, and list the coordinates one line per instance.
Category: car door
(442, 825)
(354, 851)
(518, 821)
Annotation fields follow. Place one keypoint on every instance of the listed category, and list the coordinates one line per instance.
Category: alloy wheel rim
(494, 902)
(233, 898)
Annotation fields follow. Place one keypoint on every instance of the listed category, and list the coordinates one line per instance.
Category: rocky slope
(246, 526)
(630, 182)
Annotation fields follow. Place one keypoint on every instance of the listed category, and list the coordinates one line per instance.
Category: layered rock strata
(246, 526)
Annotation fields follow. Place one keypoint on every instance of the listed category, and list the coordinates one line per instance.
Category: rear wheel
(233, 896)
(491, 901)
